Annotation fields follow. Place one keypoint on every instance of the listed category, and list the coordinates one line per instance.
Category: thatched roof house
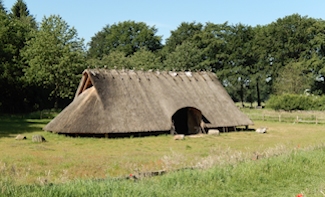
(112, 102)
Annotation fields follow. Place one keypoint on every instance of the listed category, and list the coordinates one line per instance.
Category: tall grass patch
(287, 174)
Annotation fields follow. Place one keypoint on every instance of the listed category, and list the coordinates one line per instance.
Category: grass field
(298, 172)
(63, 159)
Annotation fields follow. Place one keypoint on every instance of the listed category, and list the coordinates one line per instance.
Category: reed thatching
(112, 101)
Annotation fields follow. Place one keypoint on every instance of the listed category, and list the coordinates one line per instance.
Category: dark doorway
(187, 121)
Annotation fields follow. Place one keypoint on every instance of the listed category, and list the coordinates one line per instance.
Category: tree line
(41, 62)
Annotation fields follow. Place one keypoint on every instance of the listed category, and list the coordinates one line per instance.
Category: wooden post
(316, 120)
(279, 117)
(172, 129)
(106, 135)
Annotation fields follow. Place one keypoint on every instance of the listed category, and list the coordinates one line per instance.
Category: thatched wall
(135, 101)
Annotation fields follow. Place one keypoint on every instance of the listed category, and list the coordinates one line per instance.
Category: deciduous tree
(184, 32)
(127, 37)
(299, 40)
(185, 57)
(239, 67)
(55, 57)
(146, 60)
(292, 79)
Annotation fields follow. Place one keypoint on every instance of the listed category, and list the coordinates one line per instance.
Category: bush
(319, 102)
(290, 102)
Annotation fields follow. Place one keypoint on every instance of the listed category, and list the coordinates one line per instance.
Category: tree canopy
(13, 36)
(55, 57)
(127, 37)
(19, 9)
(41, 63)
(2, 7)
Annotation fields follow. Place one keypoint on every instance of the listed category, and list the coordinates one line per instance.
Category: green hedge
(290, 102)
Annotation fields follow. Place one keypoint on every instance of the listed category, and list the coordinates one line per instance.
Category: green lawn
(63, 160)
(290, 174)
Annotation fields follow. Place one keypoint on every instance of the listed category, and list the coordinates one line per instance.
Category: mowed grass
(62, 159)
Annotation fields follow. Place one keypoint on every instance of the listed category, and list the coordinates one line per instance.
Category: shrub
(290, 102)
(319, 102)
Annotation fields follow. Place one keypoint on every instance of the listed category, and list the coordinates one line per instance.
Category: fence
(305, 117)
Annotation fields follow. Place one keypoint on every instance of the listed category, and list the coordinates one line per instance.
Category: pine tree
(2, 7)
(19, 9)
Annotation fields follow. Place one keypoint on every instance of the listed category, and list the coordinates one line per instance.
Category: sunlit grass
(63, 158)
(291, 172)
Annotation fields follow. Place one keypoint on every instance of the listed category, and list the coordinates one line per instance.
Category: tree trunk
(56, 103)
(258, 93)
(241, 93)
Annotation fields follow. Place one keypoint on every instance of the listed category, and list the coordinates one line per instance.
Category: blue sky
(89, 17)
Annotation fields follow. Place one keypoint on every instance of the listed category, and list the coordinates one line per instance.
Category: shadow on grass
(12, 126)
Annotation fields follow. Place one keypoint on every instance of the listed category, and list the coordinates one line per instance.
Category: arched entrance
(187, 121)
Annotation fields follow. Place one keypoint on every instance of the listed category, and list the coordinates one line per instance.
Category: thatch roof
(112, 101)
